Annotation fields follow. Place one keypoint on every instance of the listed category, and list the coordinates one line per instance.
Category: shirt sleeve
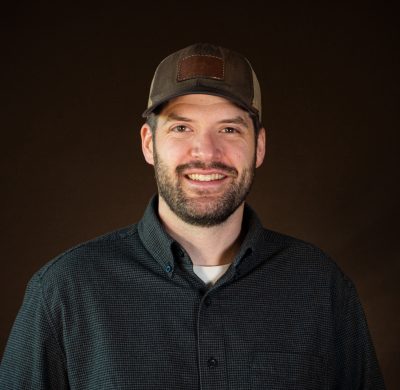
(356, 357)
(33, 358)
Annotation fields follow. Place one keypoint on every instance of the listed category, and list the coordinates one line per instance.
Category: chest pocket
(287, 371)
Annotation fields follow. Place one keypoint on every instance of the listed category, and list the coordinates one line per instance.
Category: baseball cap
(207, 69)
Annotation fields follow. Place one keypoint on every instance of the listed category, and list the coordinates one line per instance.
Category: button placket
(211, 344)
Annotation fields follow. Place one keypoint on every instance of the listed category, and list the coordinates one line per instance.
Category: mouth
(205, 177)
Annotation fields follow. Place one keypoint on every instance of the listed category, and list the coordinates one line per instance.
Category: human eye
(230, 130)
(179, 129)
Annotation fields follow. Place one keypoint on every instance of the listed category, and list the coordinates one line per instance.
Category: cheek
(171, 153)
(241, 155)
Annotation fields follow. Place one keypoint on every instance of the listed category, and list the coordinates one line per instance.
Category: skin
(206, 135)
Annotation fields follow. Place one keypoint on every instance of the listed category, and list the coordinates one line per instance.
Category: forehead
(201, 104)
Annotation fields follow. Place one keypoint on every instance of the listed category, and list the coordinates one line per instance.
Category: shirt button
(168, 268)
(212, 362)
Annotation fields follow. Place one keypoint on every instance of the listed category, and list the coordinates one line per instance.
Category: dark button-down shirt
(125, 311)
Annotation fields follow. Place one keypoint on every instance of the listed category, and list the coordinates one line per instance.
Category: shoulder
(302, 258)
(87, 258)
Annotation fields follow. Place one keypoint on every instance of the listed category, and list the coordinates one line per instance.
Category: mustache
(201, 165)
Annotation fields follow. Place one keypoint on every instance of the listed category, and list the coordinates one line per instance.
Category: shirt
(126, 311)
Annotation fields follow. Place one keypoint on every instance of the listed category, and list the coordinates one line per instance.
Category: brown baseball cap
(205, 68)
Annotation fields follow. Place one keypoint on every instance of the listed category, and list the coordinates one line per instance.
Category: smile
(200, 177)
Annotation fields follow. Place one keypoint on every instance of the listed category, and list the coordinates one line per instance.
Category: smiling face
(204, 154)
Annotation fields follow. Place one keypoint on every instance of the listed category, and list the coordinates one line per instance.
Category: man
(197, 295)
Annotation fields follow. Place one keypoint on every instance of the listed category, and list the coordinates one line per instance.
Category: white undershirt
(209, 274)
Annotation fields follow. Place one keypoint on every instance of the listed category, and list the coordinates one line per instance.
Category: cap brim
(202, 90)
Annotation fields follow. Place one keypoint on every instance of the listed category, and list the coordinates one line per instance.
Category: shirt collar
(252, 231)
(163, 247)
(154, 237)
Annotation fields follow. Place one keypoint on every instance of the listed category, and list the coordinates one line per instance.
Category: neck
(215, 245)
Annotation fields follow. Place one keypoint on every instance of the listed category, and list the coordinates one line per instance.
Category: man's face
(204, 154)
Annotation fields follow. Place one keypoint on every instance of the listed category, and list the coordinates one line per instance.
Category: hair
(152, 120)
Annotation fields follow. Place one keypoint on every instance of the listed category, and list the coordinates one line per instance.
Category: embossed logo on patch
(200, 66)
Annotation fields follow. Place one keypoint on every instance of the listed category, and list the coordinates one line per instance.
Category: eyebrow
(238, 120)
(175, 117)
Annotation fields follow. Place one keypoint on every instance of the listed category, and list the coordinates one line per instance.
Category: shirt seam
(113, 236)
(60, 350)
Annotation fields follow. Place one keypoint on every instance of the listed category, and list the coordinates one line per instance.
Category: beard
(205, 209)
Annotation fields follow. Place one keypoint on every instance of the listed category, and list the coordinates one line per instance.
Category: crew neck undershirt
(209, 274)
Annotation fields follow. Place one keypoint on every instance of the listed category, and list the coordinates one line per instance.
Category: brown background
(74, 82)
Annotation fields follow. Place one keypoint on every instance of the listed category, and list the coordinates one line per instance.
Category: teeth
(198, 177)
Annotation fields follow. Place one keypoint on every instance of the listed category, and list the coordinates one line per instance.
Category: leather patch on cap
(200, 66)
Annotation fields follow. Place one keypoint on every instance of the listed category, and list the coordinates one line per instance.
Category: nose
(206, 147)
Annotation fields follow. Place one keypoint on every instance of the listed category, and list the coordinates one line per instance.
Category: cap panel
(164, 80)
(238, 77)
(256, 103)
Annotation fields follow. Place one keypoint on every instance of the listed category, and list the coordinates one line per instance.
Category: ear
(261, 146)
(147, 143)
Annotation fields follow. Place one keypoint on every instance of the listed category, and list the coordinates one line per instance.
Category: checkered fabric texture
(125, 311)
